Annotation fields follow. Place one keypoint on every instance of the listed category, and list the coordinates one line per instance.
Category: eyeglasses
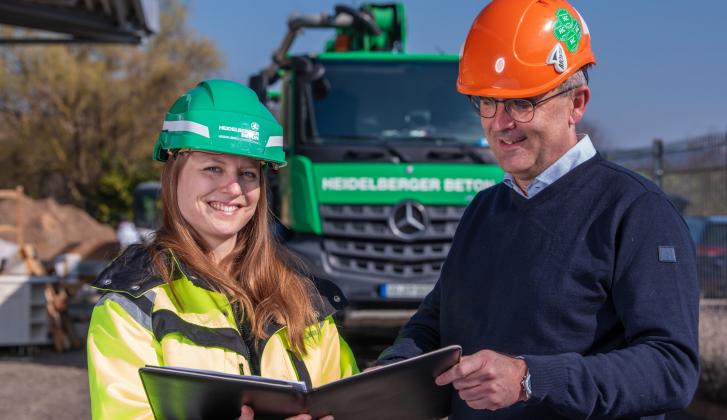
(519, 109)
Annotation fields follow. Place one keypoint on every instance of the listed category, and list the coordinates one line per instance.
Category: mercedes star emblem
(408, 220)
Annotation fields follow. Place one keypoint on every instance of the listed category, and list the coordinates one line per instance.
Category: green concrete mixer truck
(384, 155)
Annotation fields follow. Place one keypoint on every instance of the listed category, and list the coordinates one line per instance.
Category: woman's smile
(227, 209)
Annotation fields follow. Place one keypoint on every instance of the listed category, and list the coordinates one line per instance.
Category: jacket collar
(131, 273)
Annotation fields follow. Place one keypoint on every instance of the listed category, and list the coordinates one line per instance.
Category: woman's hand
(248, 414)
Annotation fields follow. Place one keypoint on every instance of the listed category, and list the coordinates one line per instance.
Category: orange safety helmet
(523, 48)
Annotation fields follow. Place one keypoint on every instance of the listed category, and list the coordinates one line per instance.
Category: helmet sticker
(567, 29)
(500, 65)
(243, 133)
(557, 58)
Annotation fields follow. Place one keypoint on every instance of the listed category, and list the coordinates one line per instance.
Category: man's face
(527, 149)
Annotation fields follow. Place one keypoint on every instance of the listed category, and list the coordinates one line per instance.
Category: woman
(213, 290)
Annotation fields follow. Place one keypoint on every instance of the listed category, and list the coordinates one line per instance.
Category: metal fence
(694, 174)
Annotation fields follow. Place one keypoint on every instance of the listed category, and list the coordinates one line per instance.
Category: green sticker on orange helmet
(567, 29)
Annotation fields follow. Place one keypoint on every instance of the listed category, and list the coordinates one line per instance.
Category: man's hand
(486, 379)
(249, 414)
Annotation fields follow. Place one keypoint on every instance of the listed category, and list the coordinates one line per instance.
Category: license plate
(405, 290)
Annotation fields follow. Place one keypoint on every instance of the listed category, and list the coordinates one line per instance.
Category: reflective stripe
(301, 369)
(275, 141)
(167, 322)
(139, 309)
(207, 311)
(190, 126)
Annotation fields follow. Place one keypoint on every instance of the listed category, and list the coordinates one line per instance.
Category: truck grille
(358, 239)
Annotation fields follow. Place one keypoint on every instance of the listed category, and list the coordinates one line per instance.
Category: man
(571, 286)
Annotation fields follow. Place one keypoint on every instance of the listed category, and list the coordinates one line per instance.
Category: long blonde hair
(258, 274)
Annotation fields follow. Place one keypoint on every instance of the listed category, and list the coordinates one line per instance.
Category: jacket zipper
(247, 340)
(250, 344)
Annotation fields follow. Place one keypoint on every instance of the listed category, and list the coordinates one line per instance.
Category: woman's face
(218, 194)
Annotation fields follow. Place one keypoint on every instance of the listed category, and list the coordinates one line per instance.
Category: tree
(78, 122)
(598, 137)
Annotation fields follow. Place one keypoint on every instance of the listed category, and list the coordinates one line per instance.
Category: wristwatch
(525, 383)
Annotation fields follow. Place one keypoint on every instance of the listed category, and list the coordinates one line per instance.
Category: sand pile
(55, 229)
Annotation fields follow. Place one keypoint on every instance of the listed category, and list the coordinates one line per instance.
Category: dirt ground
(46, 384)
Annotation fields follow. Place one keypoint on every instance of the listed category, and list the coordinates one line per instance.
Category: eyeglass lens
(519, 109)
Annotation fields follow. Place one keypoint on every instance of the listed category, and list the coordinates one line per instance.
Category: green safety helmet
(222, 116)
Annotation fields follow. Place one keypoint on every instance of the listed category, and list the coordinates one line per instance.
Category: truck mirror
(305, 67)
(321, 88)
(258, 84)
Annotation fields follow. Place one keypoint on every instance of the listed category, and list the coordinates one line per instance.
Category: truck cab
(384, 155)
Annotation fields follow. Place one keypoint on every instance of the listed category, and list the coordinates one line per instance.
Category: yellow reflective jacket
(138, 322)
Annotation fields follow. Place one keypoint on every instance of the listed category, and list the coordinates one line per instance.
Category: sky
(661, 67)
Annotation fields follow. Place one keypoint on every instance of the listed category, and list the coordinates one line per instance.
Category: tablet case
(401, 390)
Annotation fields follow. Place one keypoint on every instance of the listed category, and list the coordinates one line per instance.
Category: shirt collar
(579, 153)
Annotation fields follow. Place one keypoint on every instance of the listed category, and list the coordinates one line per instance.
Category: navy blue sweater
(593, 281)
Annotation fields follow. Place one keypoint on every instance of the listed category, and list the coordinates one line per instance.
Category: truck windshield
(146, 205)
(397, 101)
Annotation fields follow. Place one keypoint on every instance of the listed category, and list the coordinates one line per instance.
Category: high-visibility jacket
(139, 322)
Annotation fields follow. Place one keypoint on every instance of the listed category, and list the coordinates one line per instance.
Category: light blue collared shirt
(581, 152)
